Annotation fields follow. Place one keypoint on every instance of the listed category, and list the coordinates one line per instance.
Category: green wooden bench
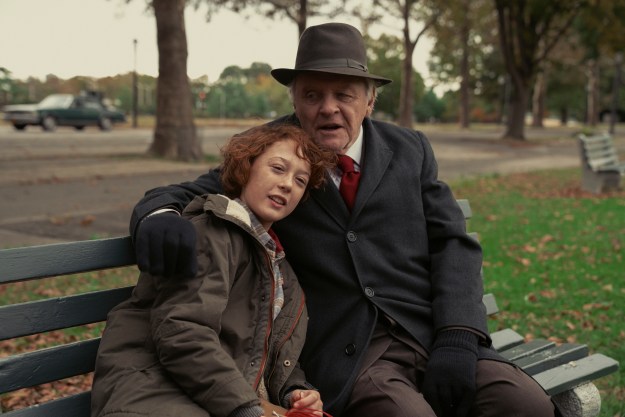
(565, 371)
(601, 168)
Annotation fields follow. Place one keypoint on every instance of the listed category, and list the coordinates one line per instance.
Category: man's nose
(329, 105)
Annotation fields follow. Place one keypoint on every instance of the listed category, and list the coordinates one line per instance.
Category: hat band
(333, 63)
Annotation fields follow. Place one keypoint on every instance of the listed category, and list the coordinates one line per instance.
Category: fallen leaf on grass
(596, 306)
(87, 220)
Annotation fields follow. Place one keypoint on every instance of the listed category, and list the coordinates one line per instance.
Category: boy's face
(277, 182)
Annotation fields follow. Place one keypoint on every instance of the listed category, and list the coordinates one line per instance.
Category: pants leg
(503, 389)
(389, 385)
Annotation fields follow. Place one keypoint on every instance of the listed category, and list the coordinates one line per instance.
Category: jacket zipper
(300, 311)
(263, 362)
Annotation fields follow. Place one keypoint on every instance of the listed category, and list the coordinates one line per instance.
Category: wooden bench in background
(566, 371)
(601, 168)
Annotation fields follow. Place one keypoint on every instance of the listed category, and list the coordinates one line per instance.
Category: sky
(96, 38)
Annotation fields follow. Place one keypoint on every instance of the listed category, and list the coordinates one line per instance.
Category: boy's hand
(308, 399)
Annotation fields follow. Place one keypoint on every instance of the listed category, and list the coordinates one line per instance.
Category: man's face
(331, 107)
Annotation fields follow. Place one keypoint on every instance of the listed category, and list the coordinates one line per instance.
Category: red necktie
(349, 180)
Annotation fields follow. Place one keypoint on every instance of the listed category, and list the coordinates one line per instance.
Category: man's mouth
(330, 127)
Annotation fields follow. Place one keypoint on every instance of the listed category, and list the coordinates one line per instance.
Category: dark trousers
(390, 381)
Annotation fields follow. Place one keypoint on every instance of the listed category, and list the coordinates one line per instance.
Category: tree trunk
(592, 109)
(464, 68)
(564, 116)
(175, 134)
(618, 60)
(515, 126)
(301, 17)
(406, 92)
(538, 100)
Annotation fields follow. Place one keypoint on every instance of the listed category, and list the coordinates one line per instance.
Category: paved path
(51, 194)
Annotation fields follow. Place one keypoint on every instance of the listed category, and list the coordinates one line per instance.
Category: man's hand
(165, 246)
(449, 383)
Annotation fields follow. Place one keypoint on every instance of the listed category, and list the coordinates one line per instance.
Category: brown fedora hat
(335, 48)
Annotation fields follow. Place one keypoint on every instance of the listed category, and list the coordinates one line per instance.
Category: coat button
(369, 291)
(350, 349)
(287, 363)
(351, 236)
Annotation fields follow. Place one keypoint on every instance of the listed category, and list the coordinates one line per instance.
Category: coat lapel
(377, 157)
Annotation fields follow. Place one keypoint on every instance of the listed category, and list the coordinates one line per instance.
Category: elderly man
(397, 325)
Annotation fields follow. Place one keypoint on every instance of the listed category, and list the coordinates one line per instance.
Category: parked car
(85, 109)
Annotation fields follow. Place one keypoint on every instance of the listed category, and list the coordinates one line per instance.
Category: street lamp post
(134, 87)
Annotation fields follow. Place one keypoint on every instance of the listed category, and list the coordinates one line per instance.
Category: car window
(92, 105)
(56, 100)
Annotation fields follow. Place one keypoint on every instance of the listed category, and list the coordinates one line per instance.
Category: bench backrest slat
(59, 313)
(45, 365)
(598, 151)
(78, 405)
(20, 264)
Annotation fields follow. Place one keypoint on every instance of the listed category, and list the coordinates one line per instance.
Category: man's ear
(370, 107)
(371, 102)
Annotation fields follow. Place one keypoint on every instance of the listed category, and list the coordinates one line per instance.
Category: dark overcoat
(403, 251)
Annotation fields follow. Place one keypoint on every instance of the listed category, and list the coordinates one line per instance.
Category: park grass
(553, 257)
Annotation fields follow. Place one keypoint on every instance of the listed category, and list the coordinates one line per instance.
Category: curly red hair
(242, 150)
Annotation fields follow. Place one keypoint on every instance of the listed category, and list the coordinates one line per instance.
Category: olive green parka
(200, 347)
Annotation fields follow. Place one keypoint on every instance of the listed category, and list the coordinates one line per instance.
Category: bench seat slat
(31, 262)
(570, 375)
(46, 365)
(77, 405)
(550, 358)
(490, 303)
(526, 349)
(505, 339)
(59, 313)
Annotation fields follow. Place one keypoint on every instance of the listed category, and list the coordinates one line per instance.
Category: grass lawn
(553, 257)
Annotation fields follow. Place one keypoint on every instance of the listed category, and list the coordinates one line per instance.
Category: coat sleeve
(456, 258)
(185, 323)
(175, 196)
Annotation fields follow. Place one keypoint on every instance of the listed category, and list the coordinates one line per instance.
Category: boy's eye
(278, 168)
(302, 180)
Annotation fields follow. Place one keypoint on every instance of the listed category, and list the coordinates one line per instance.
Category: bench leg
(599, 182)
(581, 401)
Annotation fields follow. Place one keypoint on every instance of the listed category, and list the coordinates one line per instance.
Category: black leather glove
(165, 246)
(449, 382)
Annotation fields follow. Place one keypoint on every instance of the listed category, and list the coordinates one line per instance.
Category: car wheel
(19, 126)
(80, 127)
(48, 124)
(105, 123)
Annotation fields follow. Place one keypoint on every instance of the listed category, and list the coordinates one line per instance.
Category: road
(74, 185)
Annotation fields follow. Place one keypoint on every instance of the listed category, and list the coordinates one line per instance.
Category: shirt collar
(355, 151)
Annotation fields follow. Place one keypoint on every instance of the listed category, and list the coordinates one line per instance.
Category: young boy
(219, 343)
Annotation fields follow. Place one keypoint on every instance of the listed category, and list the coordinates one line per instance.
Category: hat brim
(285, 76)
